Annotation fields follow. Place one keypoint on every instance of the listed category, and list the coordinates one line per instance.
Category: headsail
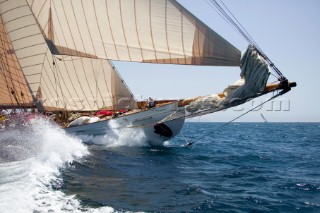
(60, 82)
(14, 91)
(155, 31)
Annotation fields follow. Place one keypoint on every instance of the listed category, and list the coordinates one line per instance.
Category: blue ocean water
(243, 167)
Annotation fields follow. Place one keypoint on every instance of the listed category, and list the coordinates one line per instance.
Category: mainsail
(14, 91)
(60, 82)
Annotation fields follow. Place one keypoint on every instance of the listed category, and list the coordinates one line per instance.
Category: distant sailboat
(264, 119)
(55, 56)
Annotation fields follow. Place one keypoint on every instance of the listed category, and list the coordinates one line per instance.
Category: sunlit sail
(55, 56)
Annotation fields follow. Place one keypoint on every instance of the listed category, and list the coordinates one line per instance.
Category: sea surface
(242, 167)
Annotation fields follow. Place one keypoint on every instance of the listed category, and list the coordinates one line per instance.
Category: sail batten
(154, 31)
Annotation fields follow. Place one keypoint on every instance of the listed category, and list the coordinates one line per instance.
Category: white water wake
(30, 164)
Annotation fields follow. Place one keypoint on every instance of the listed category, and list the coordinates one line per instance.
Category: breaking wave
(30, 164)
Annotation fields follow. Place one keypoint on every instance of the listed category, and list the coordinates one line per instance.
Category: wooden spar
(269, 88)
(15, 106)
(184, 102)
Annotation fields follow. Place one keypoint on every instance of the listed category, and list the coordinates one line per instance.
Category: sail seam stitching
(58, 70)
(59, 22)
(95, 53)
(151, 31)
(166, 25)
(124, 33)
(105, 51)
(137, 31)
(111, 32)
(83, 48)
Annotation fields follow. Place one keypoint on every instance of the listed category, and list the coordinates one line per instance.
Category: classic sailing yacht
(55, 56)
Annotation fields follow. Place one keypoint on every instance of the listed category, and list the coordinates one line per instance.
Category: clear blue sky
(289, 33)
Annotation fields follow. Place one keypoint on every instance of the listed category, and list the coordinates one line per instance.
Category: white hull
(143, 120)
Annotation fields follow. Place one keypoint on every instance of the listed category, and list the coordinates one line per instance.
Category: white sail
(67, 82)
(155, 31)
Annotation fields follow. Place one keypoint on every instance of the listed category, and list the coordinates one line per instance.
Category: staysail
(60, 82)
(14, 91)
(154, 31)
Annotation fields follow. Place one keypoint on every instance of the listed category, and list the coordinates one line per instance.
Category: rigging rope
(7, 76)
(225, 124)
(223, 11)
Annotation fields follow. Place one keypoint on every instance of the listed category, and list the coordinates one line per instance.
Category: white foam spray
(30, 169)
(119, 137)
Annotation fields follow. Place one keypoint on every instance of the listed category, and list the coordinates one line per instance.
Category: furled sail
(254, 76)
(14, 91)
(154, 31)
(60, 82)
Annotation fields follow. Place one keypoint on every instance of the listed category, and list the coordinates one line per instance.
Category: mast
(264, 119)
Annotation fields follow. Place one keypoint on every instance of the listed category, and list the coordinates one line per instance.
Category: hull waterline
(143, 121)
